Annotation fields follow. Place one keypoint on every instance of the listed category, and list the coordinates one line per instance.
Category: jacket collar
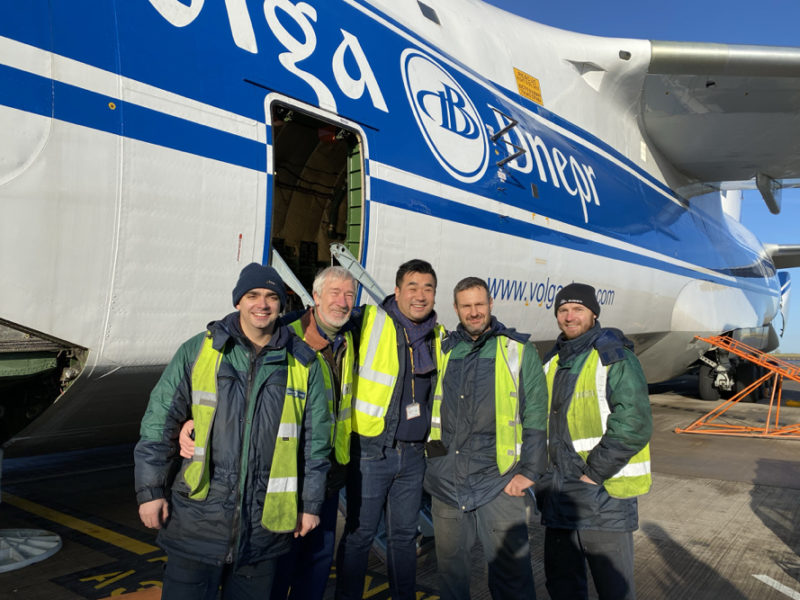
(496, 328)
(229, 328)
(568, 349)
(311, 333)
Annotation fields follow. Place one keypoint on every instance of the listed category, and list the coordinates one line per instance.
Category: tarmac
(719, 522)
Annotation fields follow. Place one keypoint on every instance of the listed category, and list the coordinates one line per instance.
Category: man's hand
(518, 485)
(185, 439)
(154, 513)
(586, 479)
(305, 523)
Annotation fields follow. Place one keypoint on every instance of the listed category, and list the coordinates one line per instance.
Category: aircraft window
(429, 13)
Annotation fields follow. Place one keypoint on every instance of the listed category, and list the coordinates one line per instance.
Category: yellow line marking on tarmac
(101, 533)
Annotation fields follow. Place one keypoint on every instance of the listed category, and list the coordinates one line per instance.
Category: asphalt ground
(719, 522)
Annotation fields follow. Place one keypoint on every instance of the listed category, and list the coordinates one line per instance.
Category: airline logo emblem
(446, 116)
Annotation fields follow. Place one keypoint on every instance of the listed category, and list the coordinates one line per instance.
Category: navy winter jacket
(226, 526)
(468, 476)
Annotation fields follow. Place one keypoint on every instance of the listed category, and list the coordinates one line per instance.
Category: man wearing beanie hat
(578, 293)
(327, 327)
(257, 398)
(599, 429)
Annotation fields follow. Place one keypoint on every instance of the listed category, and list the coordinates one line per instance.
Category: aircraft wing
(784, 256)
(725, 112)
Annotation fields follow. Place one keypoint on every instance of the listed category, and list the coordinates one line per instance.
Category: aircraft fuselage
(154, 147)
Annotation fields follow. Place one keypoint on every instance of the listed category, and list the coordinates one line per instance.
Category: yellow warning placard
(528, 86)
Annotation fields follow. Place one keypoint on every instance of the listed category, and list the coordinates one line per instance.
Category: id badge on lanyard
(414, 409)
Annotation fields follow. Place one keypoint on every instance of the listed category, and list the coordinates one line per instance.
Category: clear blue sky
(769, 22)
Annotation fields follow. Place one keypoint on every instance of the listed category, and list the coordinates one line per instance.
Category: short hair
(469, 283)
(333, 272)
(415, 265)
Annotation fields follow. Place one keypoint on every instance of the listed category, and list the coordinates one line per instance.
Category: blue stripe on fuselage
(440, 208)
(26, 92)
(82, 107)
(42, 96)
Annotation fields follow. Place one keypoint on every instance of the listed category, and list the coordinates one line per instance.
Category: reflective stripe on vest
(341, 419)
(587, 422)
(378, 370)
(204, 406)
(281, 501)
(508, 425)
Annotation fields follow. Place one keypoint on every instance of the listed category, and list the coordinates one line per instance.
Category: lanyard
(413, 371)
(412, 410)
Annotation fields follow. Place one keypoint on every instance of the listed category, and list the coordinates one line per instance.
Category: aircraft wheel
(705, 384)
(747, 373)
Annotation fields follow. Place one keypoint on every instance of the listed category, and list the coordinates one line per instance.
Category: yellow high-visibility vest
(508, 424)
(281, 500)
(586, 420)
(378, 369)
(342, 422)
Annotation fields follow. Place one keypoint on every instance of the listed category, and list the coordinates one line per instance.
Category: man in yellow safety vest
(256, 394)
(598, 453)
(397, 364)
(302, 573)
(328, 328)
(486, 448)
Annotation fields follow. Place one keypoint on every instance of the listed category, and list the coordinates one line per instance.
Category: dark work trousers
(307, 566)
(393, 481)
(192, 580)
(501, 526)
(608, 553)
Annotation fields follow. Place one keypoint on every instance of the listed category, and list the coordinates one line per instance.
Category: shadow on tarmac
(677, 582)
(781, 517)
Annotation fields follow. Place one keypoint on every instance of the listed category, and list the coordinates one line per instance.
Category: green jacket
(226, 525)
(565, 501)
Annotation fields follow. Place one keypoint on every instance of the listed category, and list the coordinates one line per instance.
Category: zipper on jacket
(336, 391)
(233, 545)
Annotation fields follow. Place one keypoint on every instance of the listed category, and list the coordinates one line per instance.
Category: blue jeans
(608, 553)
(392, 482)
(306, 568)
(192, 580)
(501, 526)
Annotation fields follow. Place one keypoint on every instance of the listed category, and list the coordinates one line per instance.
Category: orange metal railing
(776, 369)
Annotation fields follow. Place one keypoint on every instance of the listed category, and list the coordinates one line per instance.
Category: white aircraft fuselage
(152, 148)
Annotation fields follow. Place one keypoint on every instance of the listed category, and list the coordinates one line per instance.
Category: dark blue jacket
(226, 526)
(373, 447)
(468, 476)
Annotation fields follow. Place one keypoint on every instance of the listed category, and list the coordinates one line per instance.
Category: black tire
(705, 384)
(747, 373)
